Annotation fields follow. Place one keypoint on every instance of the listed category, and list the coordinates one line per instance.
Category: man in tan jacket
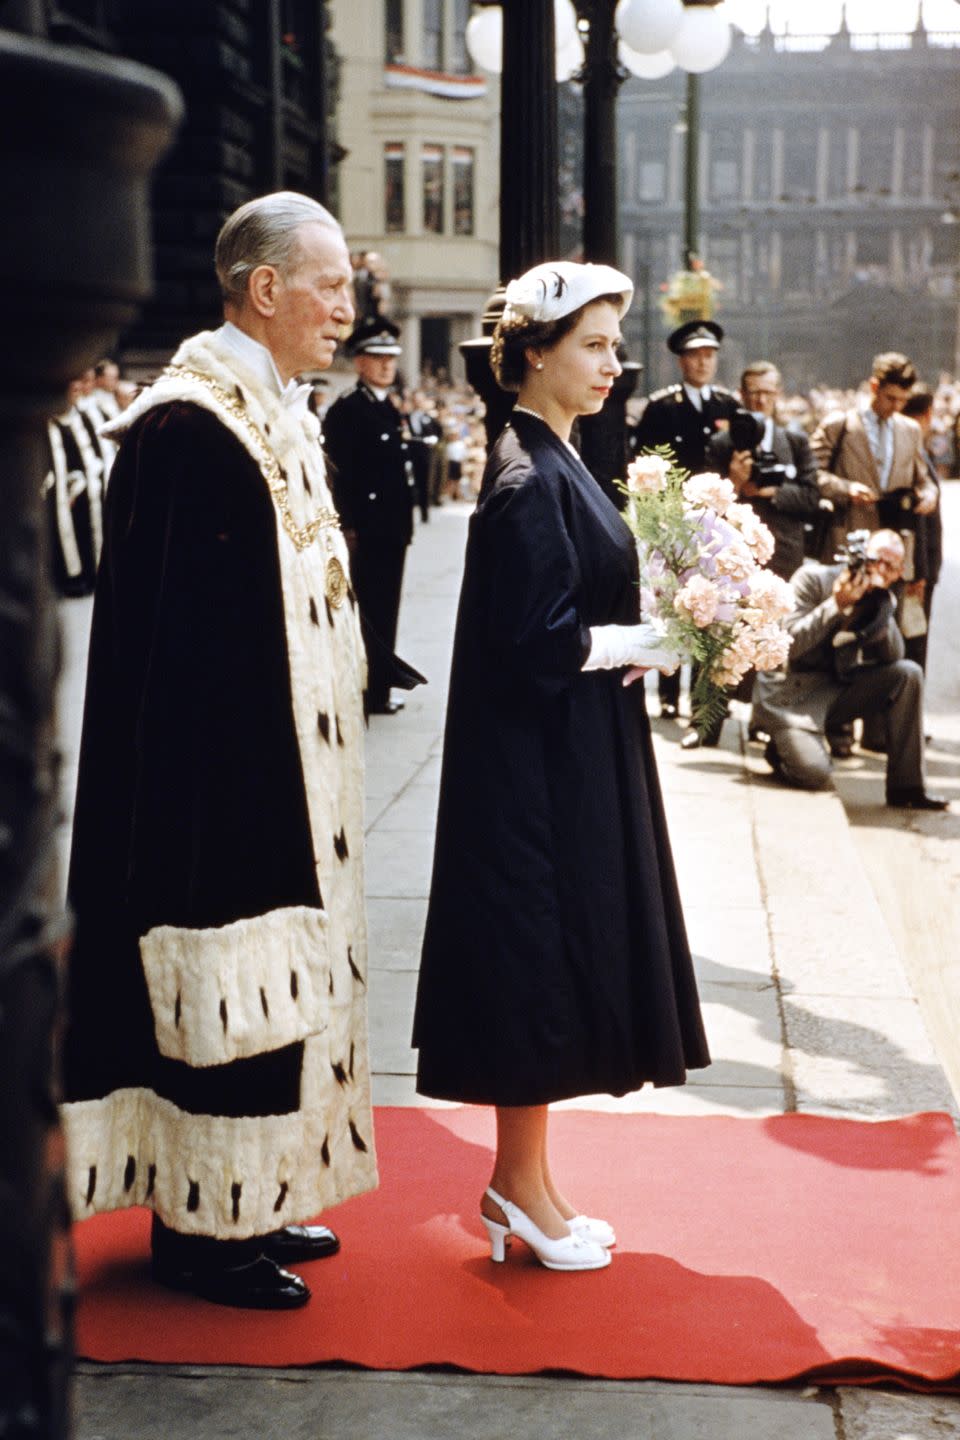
(871, 459)
(872, 469)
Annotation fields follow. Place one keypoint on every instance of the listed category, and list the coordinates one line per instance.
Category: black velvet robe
(218, 826)
(173, 824)
(555, 960)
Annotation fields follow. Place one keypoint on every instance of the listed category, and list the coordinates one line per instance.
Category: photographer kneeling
(846, 661)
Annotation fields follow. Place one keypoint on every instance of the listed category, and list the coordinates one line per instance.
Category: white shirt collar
(293, 396)
(697, 394)
(377, 390)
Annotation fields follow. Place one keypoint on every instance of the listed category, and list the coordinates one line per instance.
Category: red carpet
(750, 1251)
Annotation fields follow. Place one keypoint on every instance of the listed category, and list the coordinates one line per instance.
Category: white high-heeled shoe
(570, 1252)
(601, 1232)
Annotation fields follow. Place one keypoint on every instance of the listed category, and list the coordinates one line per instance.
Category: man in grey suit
(846, 661)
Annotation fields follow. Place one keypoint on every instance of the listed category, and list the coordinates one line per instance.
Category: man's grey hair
(263, 232)
(757, 368)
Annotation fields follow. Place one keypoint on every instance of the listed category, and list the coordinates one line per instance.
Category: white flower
(753, 530)
(771, 646)
(647, 475)
(698, 599)
(709, 492)
(736, 562)
(773, 597)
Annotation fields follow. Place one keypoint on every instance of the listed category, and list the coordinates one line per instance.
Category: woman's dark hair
(510, 340)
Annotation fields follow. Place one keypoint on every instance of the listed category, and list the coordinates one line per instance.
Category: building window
(459, 58)
(725, 181)
(433, 34)
(651, 181)
(725, 264)
(393, 189)
(462, 190)
(432, 160)
(393, 14)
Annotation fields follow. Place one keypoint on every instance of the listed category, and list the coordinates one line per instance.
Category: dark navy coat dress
(555, 960)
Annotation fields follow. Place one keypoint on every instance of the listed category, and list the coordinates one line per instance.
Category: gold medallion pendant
(336, 588)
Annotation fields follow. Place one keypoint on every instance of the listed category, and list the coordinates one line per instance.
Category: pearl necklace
(525, 410)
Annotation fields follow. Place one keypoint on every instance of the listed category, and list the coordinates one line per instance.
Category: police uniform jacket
(672, 419)
(370, 459)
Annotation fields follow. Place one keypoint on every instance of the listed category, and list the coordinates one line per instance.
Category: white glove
(614, 646)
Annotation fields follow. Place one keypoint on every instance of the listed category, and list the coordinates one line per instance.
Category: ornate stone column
(81, 135)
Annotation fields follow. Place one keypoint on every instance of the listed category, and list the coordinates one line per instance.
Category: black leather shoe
(840, 747)
(668, 711)
(259, 1285)
(296, 1244)
(389, 707)
(916, 799)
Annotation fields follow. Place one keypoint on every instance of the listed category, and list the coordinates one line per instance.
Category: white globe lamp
(648, 26)
(564, 24)
(484, 39)
(569, 59)
(646, 67)
(703, 40)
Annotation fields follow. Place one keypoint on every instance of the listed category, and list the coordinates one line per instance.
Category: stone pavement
(806, 1004)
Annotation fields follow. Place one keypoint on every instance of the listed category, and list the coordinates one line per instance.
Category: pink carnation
(709, 492)
(773, 597)
(736, 660)
(647, 475)
(753, 530)
(698, 599)
(771, 647)
(736, 562)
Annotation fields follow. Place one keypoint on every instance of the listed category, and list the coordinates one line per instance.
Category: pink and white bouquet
(702, 581)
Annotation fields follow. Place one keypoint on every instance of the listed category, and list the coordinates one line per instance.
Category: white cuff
(225, 994)
(612, 647)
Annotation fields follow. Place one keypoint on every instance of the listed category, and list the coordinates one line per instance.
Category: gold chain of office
(302, 536)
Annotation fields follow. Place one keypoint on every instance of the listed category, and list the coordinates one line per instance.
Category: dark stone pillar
(81, 134)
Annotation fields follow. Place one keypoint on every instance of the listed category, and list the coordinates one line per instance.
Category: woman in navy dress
(555, 961)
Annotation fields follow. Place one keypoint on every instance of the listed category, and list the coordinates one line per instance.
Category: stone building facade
(830, 202)
(419, 182)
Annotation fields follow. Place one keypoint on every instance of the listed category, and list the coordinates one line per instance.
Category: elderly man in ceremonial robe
(216, 1052)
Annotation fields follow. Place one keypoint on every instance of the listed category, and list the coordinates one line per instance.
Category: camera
(746, 433)
(853, 553)
(874, 610)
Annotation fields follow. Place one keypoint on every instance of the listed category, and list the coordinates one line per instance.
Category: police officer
(686, 416)
(373, 490)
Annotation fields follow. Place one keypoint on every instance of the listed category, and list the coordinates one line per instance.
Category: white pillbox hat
(554, 289)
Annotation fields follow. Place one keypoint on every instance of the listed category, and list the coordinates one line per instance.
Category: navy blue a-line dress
(555, 960)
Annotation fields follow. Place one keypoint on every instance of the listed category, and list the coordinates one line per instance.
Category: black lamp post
(81, 136)
(529, 209)
(603, 437)
(528, 193)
